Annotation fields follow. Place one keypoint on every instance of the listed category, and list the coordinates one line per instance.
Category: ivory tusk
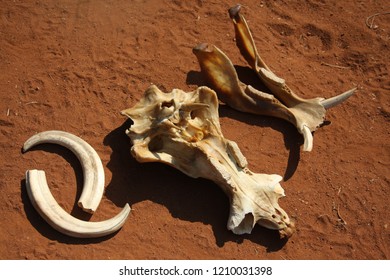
(44, 202)
(336, 100)
(308, 139)
(93, 171)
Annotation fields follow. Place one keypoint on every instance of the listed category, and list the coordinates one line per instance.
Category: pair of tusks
(305, 114)
(92, 193)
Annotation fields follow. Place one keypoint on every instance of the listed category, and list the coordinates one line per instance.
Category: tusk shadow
(187, 199)
(37, 221)
(291, 137)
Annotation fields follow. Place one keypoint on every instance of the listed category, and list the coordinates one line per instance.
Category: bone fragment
(93, 171)
(182, 129)
(46, 205)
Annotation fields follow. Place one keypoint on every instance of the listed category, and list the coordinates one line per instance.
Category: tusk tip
(308, 139)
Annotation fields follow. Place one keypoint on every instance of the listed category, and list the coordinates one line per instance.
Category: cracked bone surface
(182, 129)
(305, 114)
(93, 188)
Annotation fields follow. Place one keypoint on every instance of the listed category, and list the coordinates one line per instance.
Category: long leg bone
(306, 114)
(182, 129)
(93, 188)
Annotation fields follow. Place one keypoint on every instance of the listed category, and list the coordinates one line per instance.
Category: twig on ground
(335, 66)
(340, 220)
(371, 24)
(32, 102)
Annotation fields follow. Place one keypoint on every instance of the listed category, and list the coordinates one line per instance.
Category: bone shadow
(292, 139)
(38, 222)
(194, 200)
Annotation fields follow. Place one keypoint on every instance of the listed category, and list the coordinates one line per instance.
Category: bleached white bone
(93, 172)
(182, 129)
(46, 205)
(93, 188)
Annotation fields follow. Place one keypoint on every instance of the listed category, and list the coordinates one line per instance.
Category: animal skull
(306, 114)
(182, 129)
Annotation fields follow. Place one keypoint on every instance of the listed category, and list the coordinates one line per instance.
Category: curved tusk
(308, 139)
(44, 202)
(93, 171)
(336, 100)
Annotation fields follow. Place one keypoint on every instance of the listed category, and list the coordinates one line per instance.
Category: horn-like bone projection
(182, 129)
(305, 114)
(93, 188)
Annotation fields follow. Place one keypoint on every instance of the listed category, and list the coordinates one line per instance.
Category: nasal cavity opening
(246, 224)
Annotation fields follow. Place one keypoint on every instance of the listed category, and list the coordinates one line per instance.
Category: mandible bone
(182, 129)
(305, 114)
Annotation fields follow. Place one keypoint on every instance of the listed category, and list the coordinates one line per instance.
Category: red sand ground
(74, 65)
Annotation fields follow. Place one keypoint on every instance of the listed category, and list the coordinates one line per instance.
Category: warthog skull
(182, 129)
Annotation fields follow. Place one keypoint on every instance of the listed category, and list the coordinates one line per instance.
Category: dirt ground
(74, 65)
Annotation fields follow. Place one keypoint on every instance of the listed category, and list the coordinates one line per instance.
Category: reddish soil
(74, 65)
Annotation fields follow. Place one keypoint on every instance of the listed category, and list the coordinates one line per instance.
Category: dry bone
(182, 129)
(93, 188)
(305, 114)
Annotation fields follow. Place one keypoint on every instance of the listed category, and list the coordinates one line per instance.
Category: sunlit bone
(182, 129)
(305, 114)
(43, 201)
